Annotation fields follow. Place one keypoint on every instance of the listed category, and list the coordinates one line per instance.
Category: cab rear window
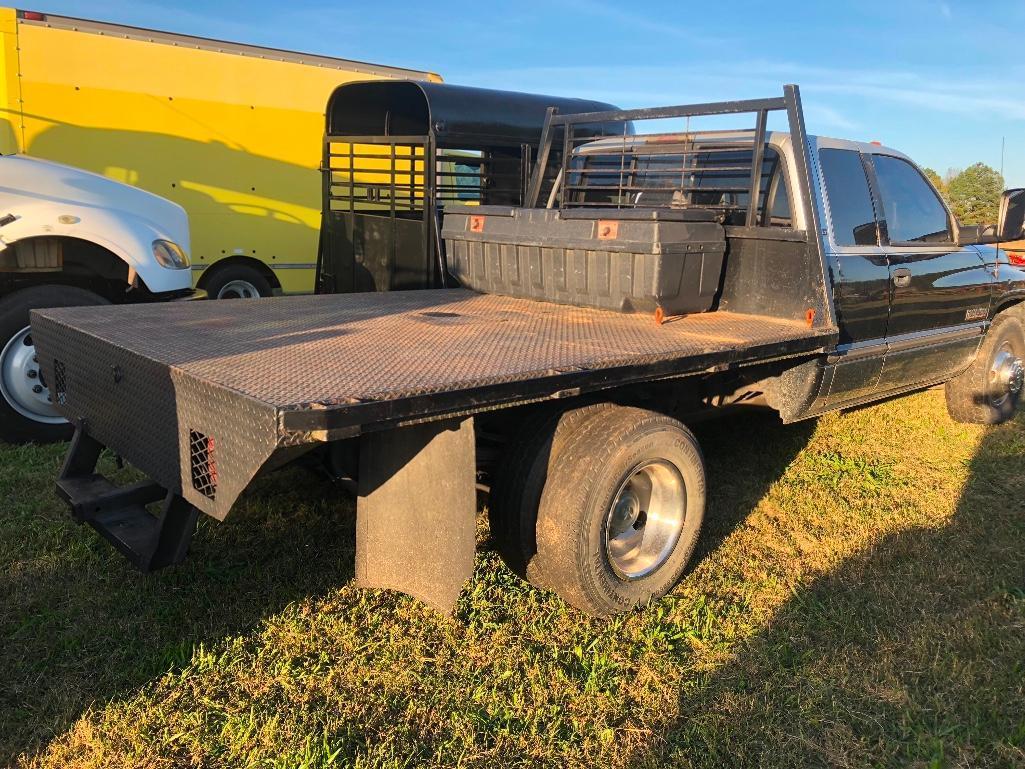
(851, 215)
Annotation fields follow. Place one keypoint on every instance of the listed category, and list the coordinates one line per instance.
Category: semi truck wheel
(26, 411)
(989, 391)
(520, 479)
(620, 515)
(237, 281)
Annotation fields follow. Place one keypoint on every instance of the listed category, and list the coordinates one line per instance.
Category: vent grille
(60, 383)
(203, 461)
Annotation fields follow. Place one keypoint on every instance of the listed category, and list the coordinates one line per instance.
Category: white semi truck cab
(70, 238)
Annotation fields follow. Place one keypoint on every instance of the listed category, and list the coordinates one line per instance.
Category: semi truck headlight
(170, 255)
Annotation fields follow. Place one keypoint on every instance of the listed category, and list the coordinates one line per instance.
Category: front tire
(989, 391)
(237, 281)
(620, 516)
(26, 412)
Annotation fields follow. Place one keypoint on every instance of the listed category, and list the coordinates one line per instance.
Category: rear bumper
(179, 295)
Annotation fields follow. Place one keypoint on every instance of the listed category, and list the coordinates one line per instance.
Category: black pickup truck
(636, 282)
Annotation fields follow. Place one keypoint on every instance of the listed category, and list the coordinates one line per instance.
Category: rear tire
(25, 413)
(237, 281)
(989, 391)
(520, 479)
(621, 513)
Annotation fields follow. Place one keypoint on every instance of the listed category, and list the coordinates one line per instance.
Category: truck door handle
(902, 277)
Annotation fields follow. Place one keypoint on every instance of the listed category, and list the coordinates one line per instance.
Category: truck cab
(67, 238)
(913, 296)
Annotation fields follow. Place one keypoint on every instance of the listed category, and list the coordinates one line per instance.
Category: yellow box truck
(230, 132)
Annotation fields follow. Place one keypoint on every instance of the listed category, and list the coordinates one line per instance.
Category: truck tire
(237, 281)
(620, 515)
(520, 479)
(26, 414)
(989, 391)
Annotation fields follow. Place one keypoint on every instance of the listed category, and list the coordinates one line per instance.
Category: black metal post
(806, 191)
(543, 152)
(756, 168)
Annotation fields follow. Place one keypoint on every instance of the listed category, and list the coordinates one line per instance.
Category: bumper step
(119, 514)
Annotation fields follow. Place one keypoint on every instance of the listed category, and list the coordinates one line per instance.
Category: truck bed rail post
(416, 511)
(807, 191)
(543, 151)
(756, 168)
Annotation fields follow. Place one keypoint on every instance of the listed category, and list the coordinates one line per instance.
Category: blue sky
(941, 80)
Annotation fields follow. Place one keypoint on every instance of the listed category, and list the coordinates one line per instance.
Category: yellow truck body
(233, 133)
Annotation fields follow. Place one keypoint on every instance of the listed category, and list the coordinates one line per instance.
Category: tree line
(972, 194)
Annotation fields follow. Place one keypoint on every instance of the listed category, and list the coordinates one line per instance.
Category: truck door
(861, 288)
(940, 292)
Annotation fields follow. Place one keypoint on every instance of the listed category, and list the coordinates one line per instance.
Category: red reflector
(211, 458)
(1017, 258)
(33, 15)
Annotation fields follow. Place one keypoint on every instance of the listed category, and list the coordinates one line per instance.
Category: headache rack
(728, 171)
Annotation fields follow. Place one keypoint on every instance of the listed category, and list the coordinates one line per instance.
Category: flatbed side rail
(331, 422)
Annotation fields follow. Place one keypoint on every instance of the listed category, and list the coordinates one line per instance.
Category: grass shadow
(897, 657)
(743, 439)
(81, 627)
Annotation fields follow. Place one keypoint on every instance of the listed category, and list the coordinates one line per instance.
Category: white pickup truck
(70, 238)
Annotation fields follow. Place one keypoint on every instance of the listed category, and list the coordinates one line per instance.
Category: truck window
(913, 212)
(659, 177)
(851, 214)
(779, 211)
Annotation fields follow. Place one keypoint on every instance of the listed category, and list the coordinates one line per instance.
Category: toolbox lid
(451, 113)
(621, 214)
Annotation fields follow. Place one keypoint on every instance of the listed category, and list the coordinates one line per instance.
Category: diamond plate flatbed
(263, 376)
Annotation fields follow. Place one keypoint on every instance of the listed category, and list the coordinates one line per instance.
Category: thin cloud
(822, 115)
(636, 19)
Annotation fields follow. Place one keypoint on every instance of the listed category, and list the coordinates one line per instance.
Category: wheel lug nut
(37, 389)
(32, 373)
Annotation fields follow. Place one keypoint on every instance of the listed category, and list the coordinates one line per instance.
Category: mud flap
(416, 511)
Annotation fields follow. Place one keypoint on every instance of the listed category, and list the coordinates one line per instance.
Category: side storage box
(633, 260)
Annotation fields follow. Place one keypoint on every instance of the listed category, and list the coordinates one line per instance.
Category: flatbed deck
(342, 353)
(263, 375)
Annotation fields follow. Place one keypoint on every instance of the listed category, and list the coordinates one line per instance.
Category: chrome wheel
(1006, 375)
(646, 518)
(21, 380)
(238, 289)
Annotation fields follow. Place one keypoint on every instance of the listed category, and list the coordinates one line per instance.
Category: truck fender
(132, 244)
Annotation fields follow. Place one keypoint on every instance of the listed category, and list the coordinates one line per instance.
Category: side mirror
(1011, 224)
(1009, 227)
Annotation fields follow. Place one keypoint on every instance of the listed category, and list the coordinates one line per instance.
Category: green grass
(858, 599)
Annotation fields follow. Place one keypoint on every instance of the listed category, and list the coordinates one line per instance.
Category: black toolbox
(630, 260)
